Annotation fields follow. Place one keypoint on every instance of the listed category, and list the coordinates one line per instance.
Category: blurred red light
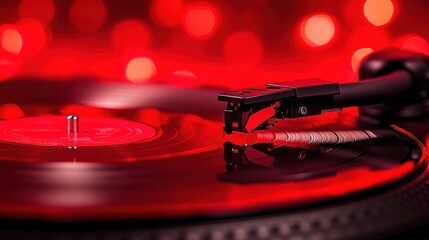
(414, 43)
(200, 20)
(88, 15)
(243, 48)
(140, 70)
(130, 36)
(11, 40)
(317, 30)
(42, 10)
(33, 36)
(358, 55)
(167, 13)
(10, 47)
(378, 12)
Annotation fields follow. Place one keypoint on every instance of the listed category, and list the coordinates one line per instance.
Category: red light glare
(200, 20)
(130, 35)
(11, 40)
(167, 13)
(414, 43)
(243, 48)
(88, 15)
(33, 36)
(317, 30)
(378, 12)
(358, 55)
(140, 70)
(42, 10)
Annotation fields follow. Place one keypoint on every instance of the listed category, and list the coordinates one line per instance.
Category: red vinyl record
(168, 162)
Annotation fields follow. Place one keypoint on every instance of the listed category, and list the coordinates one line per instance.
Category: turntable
(116, 161)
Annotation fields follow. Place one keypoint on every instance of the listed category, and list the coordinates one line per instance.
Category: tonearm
(396, 80)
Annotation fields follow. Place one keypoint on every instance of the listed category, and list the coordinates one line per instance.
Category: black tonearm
(393, 79)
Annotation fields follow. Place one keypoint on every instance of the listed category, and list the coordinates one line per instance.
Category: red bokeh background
(226, 44)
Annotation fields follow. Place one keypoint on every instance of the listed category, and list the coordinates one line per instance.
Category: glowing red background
(203, 43)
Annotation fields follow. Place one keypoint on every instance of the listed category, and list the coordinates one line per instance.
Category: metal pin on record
(73, 124)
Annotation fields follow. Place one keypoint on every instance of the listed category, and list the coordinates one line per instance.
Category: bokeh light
(140, 70)
(11, 40)
(243, 48)
(358, 55)
(317, 30)
(88, 15)
(10, 47)
(167, 13)
(414, 43)
(197, 43)
(42, 10)
(130, 35)
(378, 12)
(200, 20)
(34, 36)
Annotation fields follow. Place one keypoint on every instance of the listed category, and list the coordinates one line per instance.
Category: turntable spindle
(72, 124)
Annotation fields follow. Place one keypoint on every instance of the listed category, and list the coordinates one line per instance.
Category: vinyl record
(165, 162)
